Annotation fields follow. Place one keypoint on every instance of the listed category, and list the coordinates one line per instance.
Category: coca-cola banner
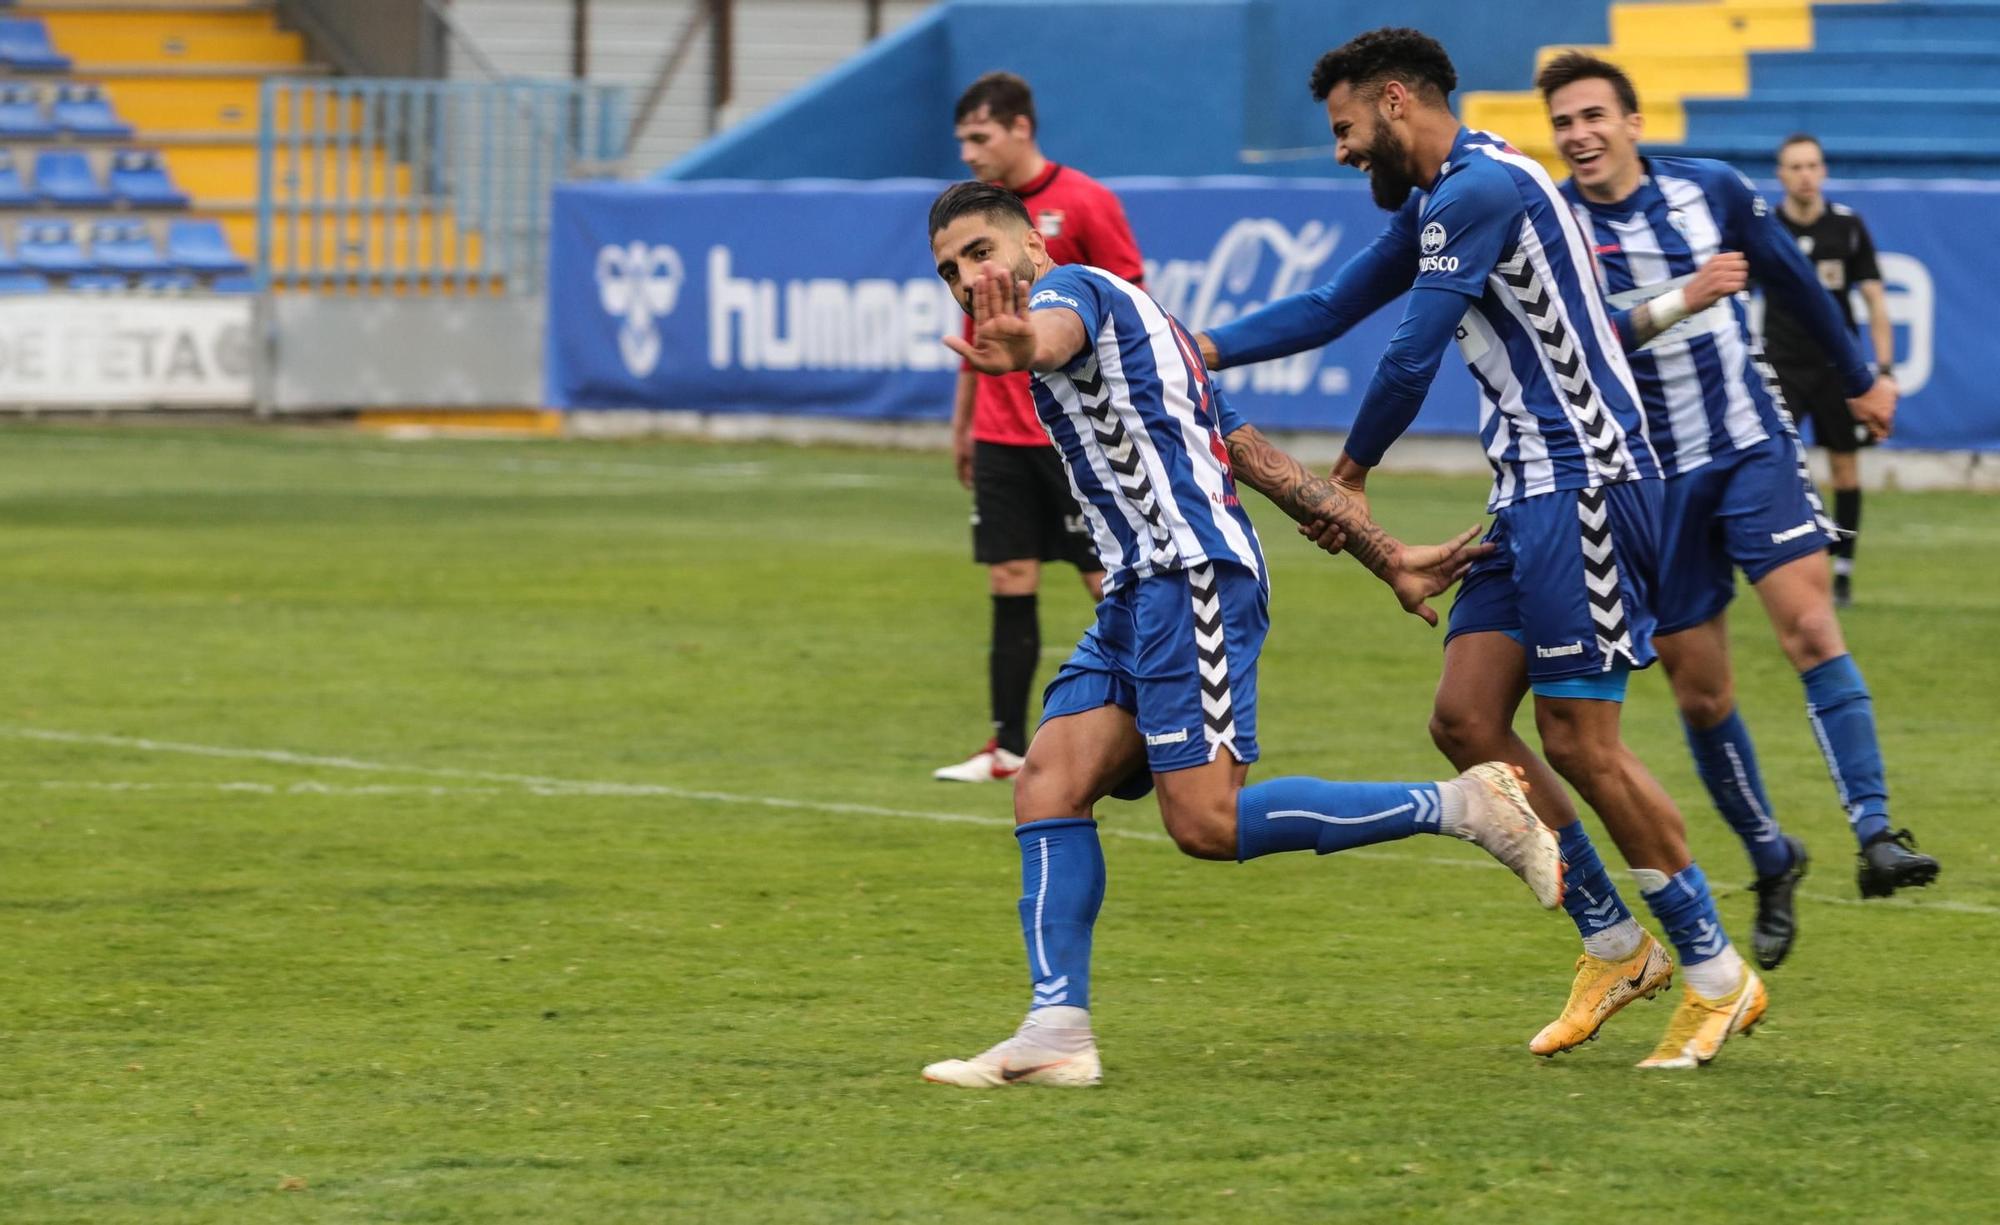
(819, 297)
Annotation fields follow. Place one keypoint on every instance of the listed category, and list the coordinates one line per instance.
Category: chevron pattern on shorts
(1600, 578)
(1119, 452)
(1218, 716)
(1566, 360)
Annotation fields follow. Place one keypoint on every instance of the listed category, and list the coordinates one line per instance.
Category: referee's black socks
(1017, 648)
(1847, 517)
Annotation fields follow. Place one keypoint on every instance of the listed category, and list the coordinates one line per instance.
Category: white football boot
(1036, 1055)
(991, 764)
(1497, 818)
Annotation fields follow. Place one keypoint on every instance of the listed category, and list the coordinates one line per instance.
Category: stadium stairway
(187, 77)
(1906, 89)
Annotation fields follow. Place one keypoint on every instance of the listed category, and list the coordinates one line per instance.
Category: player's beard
(1391, 177)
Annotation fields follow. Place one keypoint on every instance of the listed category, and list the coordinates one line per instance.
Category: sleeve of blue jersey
(1777, 265)
(1465, 227)
(1371, 280)
(1073, 288)
(1227, 419)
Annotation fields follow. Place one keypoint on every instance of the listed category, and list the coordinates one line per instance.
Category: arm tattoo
(1642, 324)
(1308, 498)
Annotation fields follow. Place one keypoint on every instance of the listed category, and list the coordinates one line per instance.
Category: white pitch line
(547, 786)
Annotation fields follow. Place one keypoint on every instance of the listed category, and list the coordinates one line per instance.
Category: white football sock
(1718, 977)
(1618, 941)
(1451, 806)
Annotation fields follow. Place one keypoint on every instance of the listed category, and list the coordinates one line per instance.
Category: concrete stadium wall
(1180, 87)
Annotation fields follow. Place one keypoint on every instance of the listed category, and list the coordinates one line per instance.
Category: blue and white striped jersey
(1703, 381)
(1140, 428)
(1559, 409)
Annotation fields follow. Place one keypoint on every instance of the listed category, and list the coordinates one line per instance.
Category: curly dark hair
(1392, 52)
(972, 196)
(1573, 66)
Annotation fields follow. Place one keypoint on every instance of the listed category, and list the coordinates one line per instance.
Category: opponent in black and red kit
(1837, 245)
(1023, 512)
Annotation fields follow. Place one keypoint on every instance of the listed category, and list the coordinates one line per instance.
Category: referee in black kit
(1837, 245)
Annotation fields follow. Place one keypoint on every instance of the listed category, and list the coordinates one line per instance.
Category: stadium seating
(83, 110)
(51, 247)
(25, 47)
(1900, 89)
(14, 193)
(168, 282)
(201, 247)
(64, 178)
(125, 247)
(242, 283)
(23, 282)
(140, 181)
(21, 115)
(97, 282)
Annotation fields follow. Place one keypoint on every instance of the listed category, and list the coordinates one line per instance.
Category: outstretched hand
(1002, 338)
(1422, 571)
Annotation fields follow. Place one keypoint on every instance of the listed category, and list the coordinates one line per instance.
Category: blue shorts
(1753, 509)
(1572, 580)
(1178, 650)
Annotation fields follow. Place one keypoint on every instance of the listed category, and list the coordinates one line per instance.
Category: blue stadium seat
(139, 179)
(168, 282)
(8, 261)
(200, 246)
(23, 282)
(64, 177)
(83, 110)
(125, 246)
(235, 284)
(50, 247)
(13, 192)
(24, 46)
(97, 282)
(21, 116)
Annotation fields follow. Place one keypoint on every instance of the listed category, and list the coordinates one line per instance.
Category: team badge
(1433, 238)
(1049, 221)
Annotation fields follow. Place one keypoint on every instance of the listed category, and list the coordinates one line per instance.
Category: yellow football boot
(1700, 1026)
(1601, 988)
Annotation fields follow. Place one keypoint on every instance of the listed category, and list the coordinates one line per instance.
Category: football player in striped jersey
(1739, 495)
(1161, 693)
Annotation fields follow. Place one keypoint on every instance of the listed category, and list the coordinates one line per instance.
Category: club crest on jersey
(1050, 222)
(1432, 239)
(1806, 245)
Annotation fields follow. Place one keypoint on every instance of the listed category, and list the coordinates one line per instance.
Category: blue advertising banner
(818, 297)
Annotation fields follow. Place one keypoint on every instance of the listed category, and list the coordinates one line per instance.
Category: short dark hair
(1410, 56)
(1573, 66)
(1800, 138)
(1006, 96)
(972, 196)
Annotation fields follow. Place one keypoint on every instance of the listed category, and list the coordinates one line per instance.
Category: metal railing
(400, 186)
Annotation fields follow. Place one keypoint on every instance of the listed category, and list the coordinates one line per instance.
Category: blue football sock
(1843, 721)
(1589, 897)
(1686, 910)
(1727, 763)
(1311, 814)
(1062, 887)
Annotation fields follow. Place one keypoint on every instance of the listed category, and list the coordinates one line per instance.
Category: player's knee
(1014, 577)
(1464, 735)
(1204, 830)
(1573, 749)
(1042, 794)
(1811, 638)
(1706, 701)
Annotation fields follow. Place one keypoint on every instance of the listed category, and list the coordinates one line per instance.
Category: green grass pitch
(509, 831)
